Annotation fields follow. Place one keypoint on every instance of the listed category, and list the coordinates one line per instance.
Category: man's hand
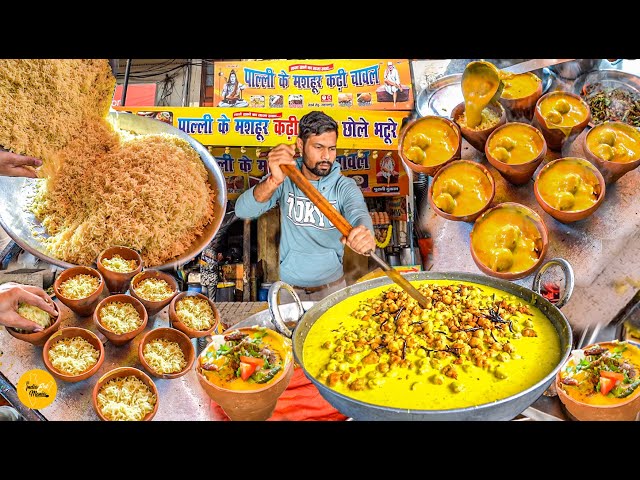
(280, 155)
(14, 165)
(11, 293)
(360, 240)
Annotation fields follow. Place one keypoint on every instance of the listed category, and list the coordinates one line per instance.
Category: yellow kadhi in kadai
(474, 345)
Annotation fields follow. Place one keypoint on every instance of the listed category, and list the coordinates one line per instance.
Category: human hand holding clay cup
(13, 296)
(28, 313)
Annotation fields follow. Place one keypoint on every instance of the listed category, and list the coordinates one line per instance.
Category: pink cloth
(301, 401)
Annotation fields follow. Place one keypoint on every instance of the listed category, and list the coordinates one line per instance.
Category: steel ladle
(493, 75)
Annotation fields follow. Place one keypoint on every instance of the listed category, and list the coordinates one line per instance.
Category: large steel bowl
(19, 223)
(505, 409)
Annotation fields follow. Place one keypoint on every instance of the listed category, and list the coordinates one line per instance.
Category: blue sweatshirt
(310, 250)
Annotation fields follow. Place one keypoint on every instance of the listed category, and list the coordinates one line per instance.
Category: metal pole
(126, 82)
(113, 63)
(185, 89)
(411, 208)
(246, 260)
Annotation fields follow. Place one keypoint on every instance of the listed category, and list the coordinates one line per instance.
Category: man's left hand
(360, 240)
(14, 165)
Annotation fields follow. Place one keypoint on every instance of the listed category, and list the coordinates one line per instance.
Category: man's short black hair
(316, 123)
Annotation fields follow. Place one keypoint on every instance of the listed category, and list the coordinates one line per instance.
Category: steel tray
(609, 78)
(443, 94)
(16, 193)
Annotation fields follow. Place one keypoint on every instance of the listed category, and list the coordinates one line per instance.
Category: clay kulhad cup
(611, 171)
(153, 306)
(82, 306)
(71, 332)
(38, 338)
(407, 133)
(516, 173)
(554, 136)
(118, 282)
(568, 216)
(120, 338)
(248, 405)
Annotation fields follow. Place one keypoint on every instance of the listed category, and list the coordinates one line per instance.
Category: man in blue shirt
(311, 248)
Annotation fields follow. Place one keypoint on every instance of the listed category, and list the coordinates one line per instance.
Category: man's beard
(318, 172)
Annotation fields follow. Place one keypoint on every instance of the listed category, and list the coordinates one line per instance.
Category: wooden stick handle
(318, 200)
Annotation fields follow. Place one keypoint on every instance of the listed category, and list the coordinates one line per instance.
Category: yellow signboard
(377, 173)
(383, 84)
(359, 129)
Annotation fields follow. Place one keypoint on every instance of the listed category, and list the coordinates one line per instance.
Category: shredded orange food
(44, 102)
(100, 186)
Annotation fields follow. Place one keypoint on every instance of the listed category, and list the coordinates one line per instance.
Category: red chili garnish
(551, 291)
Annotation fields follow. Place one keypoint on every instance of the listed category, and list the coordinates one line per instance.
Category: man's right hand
(11, 294)
(14, 165)
(280, 155)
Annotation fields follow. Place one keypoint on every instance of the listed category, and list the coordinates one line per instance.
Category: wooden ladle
(345, 227)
